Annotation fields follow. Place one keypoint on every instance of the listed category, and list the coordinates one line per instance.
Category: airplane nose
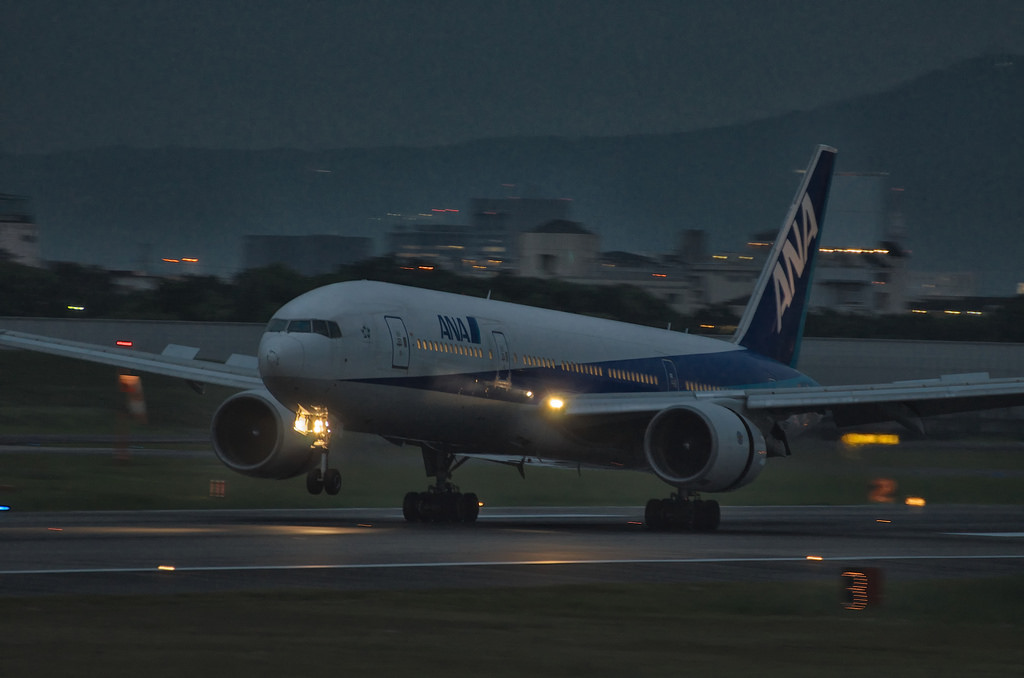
(281, 356)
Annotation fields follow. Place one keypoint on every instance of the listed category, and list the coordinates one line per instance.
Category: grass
(378, 474)
(774, 629)
(42, 394)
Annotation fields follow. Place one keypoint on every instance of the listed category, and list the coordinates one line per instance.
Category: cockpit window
(327, 328)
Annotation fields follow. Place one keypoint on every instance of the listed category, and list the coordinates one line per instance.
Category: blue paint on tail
(773, 322)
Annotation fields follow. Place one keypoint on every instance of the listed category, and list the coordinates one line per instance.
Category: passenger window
(277, 325)
(304, 326)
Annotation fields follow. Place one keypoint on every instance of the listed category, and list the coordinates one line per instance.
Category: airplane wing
(850, 405)
(176, 361)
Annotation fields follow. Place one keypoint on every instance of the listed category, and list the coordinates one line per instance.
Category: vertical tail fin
(773, 323)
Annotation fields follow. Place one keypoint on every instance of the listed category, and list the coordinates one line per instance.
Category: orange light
(915, 501)
(124, 343)
(815, 558)
(871, 439)
(882, 490)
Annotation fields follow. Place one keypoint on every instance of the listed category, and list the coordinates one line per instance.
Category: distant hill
(953, 139)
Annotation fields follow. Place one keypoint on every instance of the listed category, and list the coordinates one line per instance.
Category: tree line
(74, 290)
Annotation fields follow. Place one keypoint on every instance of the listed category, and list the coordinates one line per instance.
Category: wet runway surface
(352, 549)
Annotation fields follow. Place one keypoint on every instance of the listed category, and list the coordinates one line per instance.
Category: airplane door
(503, 360)
(399, 342)
(671, 378)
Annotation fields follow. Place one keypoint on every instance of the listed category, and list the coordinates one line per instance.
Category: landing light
(556, 403)
(315, 422)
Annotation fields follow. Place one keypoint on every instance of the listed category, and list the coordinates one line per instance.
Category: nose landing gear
(315, 423)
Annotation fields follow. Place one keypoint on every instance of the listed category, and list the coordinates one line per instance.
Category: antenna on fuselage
(488, 294)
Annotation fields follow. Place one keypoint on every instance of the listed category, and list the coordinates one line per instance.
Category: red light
(124, 343)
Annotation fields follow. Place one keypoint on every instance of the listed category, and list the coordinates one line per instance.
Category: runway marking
(1012, 535)
(497, 563)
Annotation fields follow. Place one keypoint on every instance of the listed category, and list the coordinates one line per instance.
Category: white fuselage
(471, 374)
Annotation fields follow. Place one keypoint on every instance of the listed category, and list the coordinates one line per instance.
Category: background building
(500, 221)
(558, 249)
(306, 254)
(19, 234)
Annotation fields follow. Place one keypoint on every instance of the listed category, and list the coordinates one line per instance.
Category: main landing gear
(442, 502)
(683, 512)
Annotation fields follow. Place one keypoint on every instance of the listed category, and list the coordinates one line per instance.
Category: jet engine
(253, 434)
(704, 447)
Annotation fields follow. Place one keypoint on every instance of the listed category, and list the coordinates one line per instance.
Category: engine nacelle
(253, 435)
(704, 447)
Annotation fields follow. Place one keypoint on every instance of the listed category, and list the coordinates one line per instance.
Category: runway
(372, 549)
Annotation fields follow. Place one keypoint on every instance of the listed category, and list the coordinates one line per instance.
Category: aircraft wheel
(428, 507)
(411, 507)
(706, 515)
(314, 482)
(332, 481)
(469, 508)
(654, 514)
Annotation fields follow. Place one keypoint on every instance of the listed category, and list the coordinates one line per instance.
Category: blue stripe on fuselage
(738, 369)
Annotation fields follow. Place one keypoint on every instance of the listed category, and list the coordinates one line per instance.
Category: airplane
(464, 378)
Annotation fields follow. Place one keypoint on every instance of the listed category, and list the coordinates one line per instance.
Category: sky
(328, 74)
